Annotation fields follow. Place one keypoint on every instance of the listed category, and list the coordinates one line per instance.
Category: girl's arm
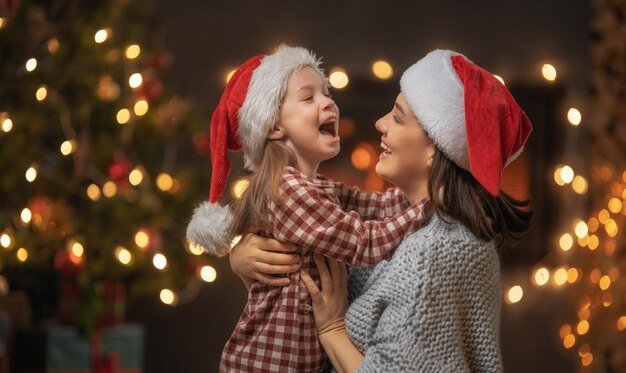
(371, 205)
(329, 307)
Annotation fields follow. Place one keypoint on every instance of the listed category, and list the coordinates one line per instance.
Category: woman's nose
(381, 126)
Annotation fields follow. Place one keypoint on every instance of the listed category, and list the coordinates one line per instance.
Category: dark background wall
(510, 38)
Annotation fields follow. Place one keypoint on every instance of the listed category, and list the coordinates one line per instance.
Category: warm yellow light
(557, 177)
(230, 75)
(135, 177)
(235, 241)
(123, 255)
(499, 78)
(26, 215)
(605, 282)
(68, 147)
(569, 341)
(583, 241)
(607, 299)
(53, 45)
(141, 239)
(361, 158)
(1, 22)
(587, 359)
(93, 192)
(31, 64)
(614, 274)
(581, 229)
(164, 182)
(593, 224)
(208, 273)
(338, 78)
(102, 35)
(615, 205)
(572, 275)
(7, 125)
(515, 294)
(77, 249)
(549, 72)
(595, 275)
(567, 174)
(574, 116)
(141, 108)
(621, 323)
(603, 216)
(560, 276)
(579, 184)
(541, 276)
(6, 240)
(566, 241)
(31, 174)
(22, 254)
(160, 261)
(195, 249)
(565, 330)
(133, 51)
(582, 327)
(382, 69)
(109, 189)
(168, 297)
(123, 116)
(42, 93)
(135, 80)
(611, 228)
(239, 187)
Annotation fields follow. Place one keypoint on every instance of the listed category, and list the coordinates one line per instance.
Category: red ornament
(151, 89)
(119, 168)
(162, 61)
(67, 263)
(9, 8)
(202, 143)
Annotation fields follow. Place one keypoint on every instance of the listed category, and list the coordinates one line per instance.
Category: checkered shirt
(276, 331)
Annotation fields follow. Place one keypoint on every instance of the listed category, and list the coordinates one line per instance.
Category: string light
(560, 276)
(239, 187)
(208, 274)
(22, 254)
(581, 229)
(572, 275)
(587, 359)
(141, 239)
(621, 323)
(77, 248)
(579, 184)
(135, 177)
(123, 255)
(160, 261)
(102, 35)
(31, 174)
(123, 116)
(195, 249)
(541, 276)
(605, 282)
(26, 215)
(611, 228)
(68, 147)
(566, 241)
(362, 156)
(42, 93)
(574, 116)
(338, 78)
(1, 22)
(499, 78)
(557, 177)
(230, 75)
(583, 327)
(569, 341)
(93, 192)
(6, 240)
(235, 241)
(7, 124)
(168, 297)
(515, 294)
(382, 70)
(53, 45)
(565, 330)
(549, 72)
(31, 64)
(133, 51)
(567, 174)
(615, 205)
(603, 216)
(135, 80)
(109, 189)
(164, 182)
(141, 108)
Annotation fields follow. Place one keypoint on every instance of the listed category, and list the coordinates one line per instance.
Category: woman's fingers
(333, 267)
(314, 291)
(325, 279)
(277, 258)
(275, 269)
(271, 280)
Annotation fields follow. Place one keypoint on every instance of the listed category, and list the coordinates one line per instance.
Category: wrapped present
(101, 306)
(61, 349)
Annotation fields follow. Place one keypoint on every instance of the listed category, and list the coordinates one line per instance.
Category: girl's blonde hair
(250, 211)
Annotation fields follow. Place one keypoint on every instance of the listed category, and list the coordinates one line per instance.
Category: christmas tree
(98, 179)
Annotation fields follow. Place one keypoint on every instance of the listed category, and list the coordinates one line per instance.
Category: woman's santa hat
(468, 113)
(247, 112)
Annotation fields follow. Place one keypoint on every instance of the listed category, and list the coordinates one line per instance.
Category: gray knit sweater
(433, 307)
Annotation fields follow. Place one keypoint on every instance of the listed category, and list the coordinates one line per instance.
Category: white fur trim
(435, 95)
(209, 226)
(260, 110)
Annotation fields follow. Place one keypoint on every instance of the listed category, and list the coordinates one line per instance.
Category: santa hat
(468, 113)
(247, 112)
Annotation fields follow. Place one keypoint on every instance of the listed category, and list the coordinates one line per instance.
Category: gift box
(63, 349)
(107, 310)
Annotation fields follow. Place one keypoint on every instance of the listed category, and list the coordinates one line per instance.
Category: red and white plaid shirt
(276, 331)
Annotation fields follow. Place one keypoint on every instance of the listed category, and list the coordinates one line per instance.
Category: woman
(434, 306)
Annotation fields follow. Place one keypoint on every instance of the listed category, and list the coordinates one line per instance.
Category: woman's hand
(258, 258)
(331, 302)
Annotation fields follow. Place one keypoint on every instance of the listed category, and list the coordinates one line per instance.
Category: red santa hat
(468, 113)
(247, 112)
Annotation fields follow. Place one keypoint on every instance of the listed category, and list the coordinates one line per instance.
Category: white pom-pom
(209, 228)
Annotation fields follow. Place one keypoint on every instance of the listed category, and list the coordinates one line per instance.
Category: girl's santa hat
(247, 112)
(468, 113)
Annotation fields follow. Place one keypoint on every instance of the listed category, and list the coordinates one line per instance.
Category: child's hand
(258, 258)
(331, 302)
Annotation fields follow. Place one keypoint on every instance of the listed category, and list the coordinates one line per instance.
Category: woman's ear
(276, 134)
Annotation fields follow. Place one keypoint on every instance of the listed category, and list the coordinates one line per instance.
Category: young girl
(278, 110)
